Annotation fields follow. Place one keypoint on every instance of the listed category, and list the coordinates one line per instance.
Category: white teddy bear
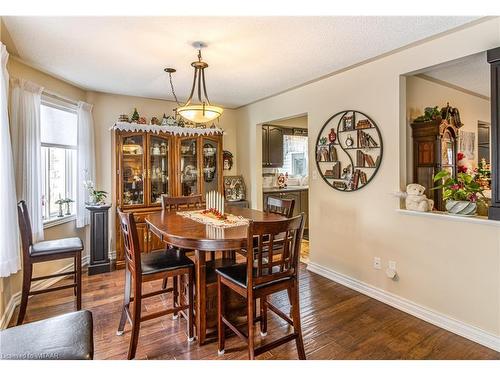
(416, 200)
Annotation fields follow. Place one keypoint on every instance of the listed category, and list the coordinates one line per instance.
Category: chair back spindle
(25, 227)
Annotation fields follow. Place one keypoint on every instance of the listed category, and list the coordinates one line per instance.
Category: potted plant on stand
(97, 197)
(461, 193)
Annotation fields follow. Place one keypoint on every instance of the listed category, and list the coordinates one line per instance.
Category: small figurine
(142, 120)
(281, 181)
(155, 121)
(416, 199)
(332, 136)
(170, 121)
(123, 118)
(164, 120)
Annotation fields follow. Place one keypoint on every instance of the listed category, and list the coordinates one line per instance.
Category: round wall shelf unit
(349, 150)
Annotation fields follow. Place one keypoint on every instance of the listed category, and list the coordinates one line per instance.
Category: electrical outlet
(377, 263)
(392, 265)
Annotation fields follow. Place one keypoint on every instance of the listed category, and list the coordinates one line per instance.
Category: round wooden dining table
(186, 233)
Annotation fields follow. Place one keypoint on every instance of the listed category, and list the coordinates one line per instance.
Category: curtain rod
(54, 94)
(59, 97)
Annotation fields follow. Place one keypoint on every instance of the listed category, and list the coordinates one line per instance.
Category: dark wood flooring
(338, 323)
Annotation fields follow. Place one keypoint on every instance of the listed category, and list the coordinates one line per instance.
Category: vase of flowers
(461, 193)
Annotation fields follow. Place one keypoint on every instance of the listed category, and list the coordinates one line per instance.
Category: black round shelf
(349, 167)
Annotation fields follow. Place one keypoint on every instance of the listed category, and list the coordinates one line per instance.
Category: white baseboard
(15, 299)
(443, 321)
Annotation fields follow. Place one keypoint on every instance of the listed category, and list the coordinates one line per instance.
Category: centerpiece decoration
(214, 213)
(214, 205)
(461, 193)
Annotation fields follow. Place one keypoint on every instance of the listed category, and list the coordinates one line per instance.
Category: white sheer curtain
(26, 147)
(9, 245)
(86, 161)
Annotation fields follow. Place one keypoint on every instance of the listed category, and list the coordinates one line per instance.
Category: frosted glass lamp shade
(200, 113)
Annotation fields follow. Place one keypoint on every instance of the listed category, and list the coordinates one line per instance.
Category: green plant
(430, 113)
(463, 187)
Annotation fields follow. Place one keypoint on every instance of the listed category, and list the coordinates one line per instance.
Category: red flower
(462, 169)
(473, 197)
(460, 156)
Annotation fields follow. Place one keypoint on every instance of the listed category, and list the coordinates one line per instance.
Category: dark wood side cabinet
(99, 248)
(272, 146)
(434, 148)
(493, 57)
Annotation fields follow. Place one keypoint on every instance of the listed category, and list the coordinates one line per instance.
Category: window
(295, 155)
(59, 142)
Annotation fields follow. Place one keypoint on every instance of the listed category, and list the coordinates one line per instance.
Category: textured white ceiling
(471, 73)
(249, 57)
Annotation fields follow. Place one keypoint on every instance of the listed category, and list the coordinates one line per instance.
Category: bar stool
(45, 251)
(142, 268)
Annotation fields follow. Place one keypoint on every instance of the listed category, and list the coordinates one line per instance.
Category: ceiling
(250, 57)
(471, 73)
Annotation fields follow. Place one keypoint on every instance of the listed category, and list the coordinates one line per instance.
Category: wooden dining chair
(261, 278)
(176, 204)
(45, 251)
(283, 207)
(142, 268)
(180, 203)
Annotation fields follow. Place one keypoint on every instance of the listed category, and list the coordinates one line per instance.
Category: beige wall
(107, 109)
(421, 93)
(449, 267)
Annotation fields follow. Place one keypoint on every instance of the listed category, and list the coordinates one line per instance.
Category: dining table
(174, 229)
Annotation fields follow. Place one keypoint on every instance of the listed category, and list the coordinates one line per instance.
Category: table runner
(230, 221)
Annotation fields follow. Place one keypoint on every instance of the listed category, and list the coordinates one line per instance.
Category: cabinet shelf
(355, 130)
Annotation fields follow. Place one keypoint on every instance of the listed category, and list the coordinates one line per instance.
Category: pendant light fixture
(201, 111)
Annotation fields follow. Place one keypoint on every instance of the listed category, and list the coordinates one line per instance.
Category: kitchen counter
(284, 190)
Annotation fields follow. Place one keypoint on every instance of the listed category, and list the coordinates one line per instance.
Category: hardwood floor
(338, 323)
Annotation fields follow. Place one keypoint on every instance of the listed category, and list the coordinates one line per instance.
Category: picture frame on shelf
(348, 122)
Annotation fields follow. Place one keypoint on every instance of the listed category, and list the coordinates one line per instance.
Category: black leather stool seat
(62, 245)
(238, 274)
(164, 260)
(67, 336)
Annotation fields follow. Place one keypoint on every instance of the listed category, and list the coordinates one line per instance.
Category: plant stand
(99, 254)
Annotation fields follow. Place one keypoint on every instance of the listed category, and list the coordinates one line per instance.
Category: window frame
(53, 101)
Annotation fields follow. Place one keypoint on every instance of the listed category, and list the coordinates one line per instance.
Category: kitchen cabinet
(272, 146)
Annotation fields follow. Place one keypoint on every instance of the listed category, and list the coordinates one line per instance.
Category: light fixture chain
(172, 87)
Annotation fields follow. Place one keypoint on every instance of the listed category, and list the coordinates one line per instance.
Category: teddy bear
(416, 200)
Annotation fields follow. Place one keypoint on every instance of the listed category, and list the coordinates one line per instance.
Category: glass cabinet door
(189, 166)
(132, 170)
(158, 168)
(448, 152)
(210, 159)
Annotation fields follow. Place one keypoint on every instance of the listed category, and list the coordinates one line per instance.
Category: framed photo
(348, 122)
(234, 188)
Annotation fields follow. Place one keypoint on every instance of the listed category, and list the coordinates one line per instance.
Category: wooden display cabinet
(434, 149)
(149, 165)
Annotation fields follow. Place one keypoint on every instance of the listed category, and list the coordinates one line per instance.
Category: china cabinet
(149, 164)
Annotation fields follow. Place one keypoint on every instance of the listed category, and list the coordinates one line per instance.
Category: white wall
(449, 267)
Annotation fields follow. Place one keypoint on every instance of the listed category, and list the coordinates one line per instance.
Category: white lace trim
(176, 130)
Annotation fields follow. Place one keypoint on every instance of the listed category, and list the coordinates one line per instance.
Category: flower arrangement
(464, 187)
(214, 213)
(97, 197)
